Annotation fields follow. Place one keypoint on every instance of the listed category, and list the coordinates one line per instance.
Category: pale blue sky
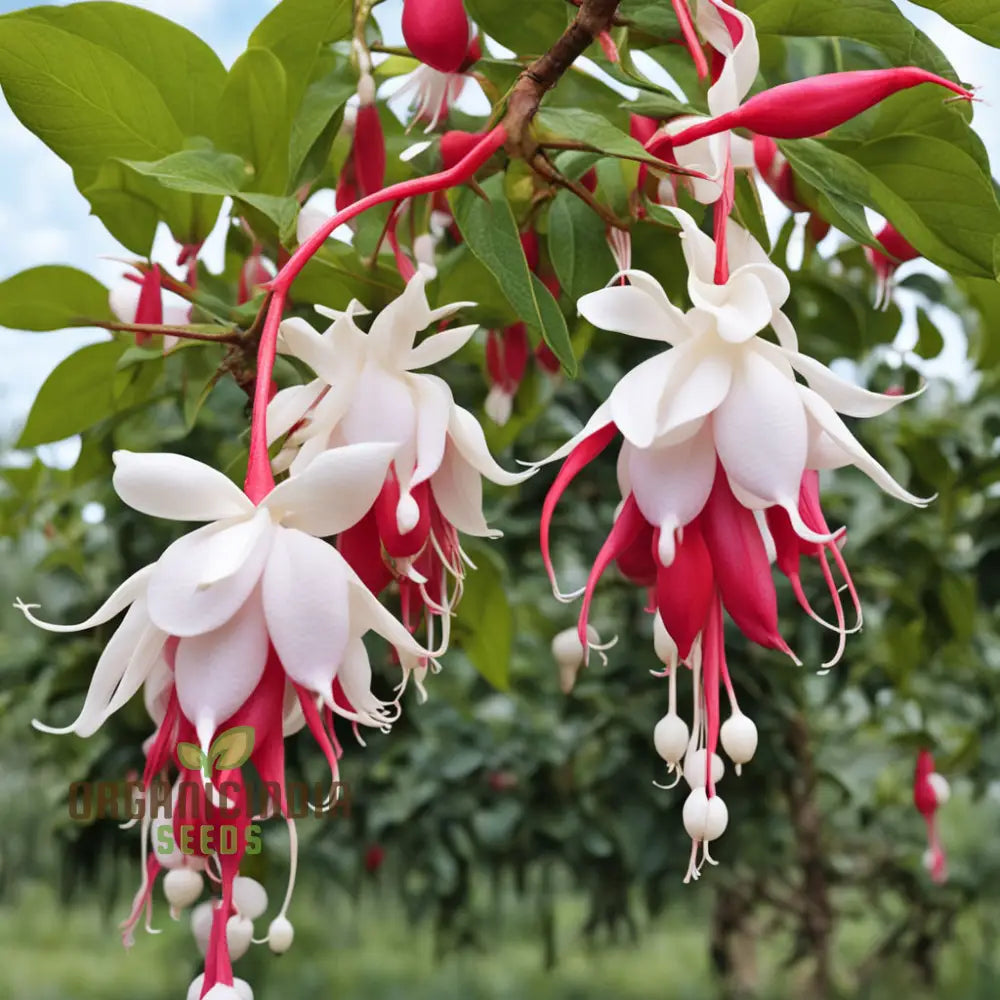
(44, 220)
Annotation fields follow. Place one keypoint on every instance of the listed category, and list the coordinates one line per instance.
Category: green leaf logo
(231, 749)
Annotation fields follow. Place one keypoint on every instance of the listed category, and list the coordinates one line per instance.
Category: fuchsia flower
(433, 93)
(369, 389)
(437, 32)
(363, 172)
(507, 353)
(139, 299)
(896, 251)
(930, 792)
(721, 446)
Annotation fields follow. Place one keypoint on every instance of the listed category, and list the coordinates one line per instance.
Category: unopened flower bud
(201, 924)
(280, 935)
(182, 886)
(239, 933)
(670, 737)
(437, 32)
(705, 818)
(738, 736)
(940, 786)
(694, 768)
(249, 897)
(569, 654)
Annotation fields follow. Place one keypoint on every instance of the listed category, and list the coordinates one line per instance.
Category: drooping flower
(253, 580)
(896, 250)
(140, 299)
(718, 465)
(433, 93)
(370, 388)
(364, 170)
(930, 792)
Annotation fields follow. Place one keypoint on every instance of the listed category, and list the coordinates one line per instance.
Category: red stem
(691, 37)
(260, 481)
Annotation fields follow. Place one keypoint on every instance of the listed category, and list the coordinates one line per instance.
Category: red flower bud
(374, 857)
(437, 32)
(589, 180)
(642, 127)
(472, 54)
(898, 251)
(150, 306)
(401, 545)
(529, 244)
(368, 153)
(253, 274)
(777, 172)
(545, 358)
(507, 356)
(813, 106)
(456, 145)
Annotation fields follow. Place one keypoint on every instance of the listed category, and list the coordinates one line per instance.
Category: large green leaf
(253, 118)
(592, 129)
(198, 171)
(52, 298)
(316, 123)
(296, 31)
(185, 71)
(84, 101)
(489, 229)
(578, 246)
(77, 394)
(904, 177)
(529, 29)
(878, 23)
(979, 18)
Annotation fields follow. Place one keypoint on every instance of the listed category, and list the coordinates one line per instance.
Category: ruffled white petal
(826, 419)
(598, 419)
(631, 309)
(434, 403)
(356, 682)
(297, 337)
(760, 430)
(698, 248)
(334, 491)
(119, 600)
(381, 407)
(635, 400)
(742, 58)
(304, 591)
(699, 385)
(439, 346)
(367, 612)
(216, 672)
(176, 487)
(468, 438)
(203, 579)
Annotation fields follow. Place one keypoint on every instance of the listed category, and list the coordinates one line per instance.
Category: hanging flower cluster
(718, 468)
(251, 627)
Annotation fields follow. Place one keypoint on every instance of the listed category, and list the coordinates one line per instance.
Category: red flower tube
(437, 32)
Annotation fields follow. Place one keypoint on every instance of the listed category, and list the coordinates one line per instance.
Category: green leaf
(930, 342)
(749, 210)
(316, 123)
(85, 102)
(485, 623)
(651, 18)
(185, 71)
(489, 229)
(979, 18)
(529, 31)
(280, 212)
(197, 171)
(232, 748)
(903, 178)
(878, 23)
(52, 298)
(591, 129)
(578, 246)
(77, 394)
(253, 119)
(296, 31)
(191, 757)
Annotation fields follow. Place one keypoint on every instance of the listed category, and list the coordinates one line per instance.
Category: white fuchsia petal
(635, 400)
(289, 406)
(109, 674)
(439, 346)
(355, 678)
(849, 399)
(381, 407)
(176, 487)
(367, 612)
(672, 484)
(598, 419)
(742, 58)
(632, 310)
(458, 492)
(825, 418)
(698, 249)
(469, 439)
(201, 580)
(216, 672)
(434, 403)
(760, 430)
(297, 337)
(334, 491)
(700, 384)
(304, 591)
